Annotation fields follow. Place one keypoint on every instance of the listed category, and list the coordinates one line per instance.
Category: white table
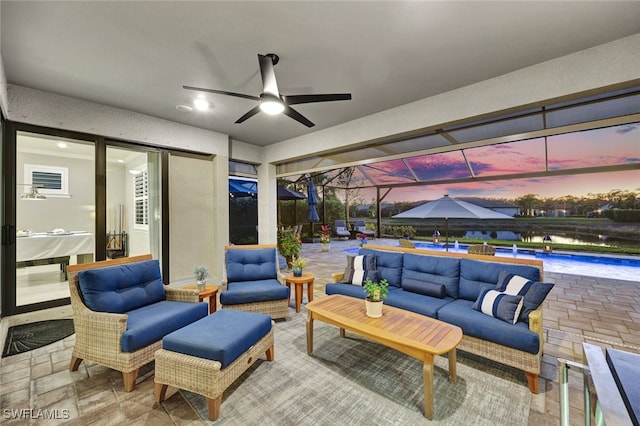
(50, 248)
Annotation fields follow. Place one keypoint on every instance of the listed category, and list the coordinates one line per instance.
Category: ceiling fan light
(271, 106)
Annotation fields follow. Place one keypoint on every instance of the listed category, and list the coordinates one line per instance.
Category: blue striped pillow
(533, 292)
(360, 268)
(499, 305)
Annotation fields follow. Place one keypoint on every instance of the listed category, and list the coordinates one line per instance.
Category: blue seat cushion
(346, 289)
(120, 289)
(476, 324)
(149, 324)
(251, 264)
(254, 291)
(476, 276)
(222, 336)
(425, 305)
(388, 265)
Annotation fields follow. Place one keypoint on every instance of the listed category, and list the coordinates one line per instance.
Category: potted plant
(375, 292)
(297, 263)
(201, 273)
(325, 237)
(289, 244)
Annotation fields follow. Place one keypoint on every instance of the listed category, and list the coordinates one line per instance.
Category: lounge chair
(341, 229)
(362, 229)
(483, 249)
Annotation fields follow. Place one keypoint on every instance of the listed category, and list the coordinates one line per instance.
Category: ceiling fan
(270, 100)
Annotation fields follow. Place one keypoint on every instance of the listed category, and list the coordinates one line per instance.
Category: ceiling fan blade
(222, 92)
(249, 114)
(269, 83)
(297, 116)
(307, 99)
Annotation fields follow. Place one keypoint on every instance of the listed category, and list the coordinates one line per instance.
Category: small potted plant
(325, 237)
(297, 264)
(201, 272)
(375, 293)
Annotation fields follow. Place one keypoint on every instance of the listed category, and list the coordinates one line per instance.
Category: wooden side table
(210, 291)
(299, 282)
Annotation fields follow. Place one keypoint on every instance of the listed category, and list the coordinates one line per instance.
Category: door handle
(8, 235)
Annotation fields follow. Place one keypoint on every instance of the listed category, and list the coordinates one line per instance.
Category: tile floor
(602, 311)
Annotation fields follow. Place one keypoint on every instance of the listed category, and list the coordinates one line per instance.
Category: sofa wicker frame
(525, 361)
(98, 334)
(275, 308)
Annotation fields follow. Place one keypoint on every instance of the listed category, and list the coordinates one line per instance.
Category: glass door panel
(55, 213)
(133, 202)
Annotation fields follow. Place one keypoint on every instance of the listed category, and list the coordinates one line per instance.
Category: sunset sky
(619, 145)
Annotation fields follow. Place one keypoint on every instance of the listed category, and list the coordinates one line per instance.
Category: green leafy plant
(289, 244)
(376, 291)
(299, 262)
(325, 234)
(201, 272)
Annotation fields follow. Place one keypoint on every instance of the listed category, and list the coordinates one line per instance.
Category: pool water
(603, 266)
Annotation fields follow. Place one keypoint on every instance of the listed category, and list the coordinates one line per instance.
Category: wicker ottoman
(208, 355)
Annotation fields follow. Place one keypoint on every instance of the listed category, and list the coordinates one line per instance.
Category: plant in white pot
(201, 273)
(376, 292)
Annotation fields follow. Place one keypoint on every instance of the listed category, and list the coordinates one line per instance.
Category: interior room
(159, 135)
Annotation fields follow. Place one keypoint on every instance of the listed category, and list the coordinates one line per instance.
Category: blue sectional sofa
(446, 286)
(122, 310)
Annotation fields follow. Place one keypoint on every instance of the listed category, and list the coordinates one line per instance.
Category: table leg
(298, 296)
(309, 333)
(427, 376)
(309, 291)
(452, 365)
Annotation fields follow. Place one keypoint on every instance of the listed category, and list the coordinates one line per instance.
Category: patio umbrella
(237, 189)
(448, 207)
(312, 200)
(285, 194)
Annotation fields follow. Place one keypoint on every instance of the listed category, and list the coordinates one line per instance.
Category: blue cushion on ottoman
(222, 336)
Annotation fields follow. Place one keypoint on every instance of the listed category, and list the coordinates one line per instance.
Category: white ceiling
(137, 55)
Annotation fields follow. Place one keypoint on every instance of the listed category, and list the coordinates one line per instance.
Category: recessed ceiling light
(61, 145)
(201, 104)
(184, 108)
(135, 172)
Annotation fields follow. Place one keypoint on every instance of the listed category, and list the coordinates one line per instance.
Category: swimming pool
(603, 266)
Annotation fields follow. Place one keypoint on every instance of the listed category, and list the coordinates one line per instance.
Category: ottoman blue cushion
(119, 289)
(253, 291)
(222, 336)
(150, 323)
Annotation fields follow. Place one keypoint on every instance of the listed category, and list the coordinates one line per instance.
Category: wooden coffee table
(413, 334)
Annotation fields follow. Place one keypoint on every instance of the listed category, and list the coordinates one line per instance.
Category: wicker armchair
(484, 249)
(98, 334)
(276, 306)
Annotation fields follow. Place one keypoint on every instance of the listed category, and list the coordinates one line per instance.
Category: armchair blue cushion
(251, 265)
(253, 291)
(122, 288)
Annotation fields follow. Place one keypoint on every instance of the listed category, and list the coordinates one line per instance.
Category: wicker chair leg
(214, 407)
(161, 392)
(75, 363)
(130, 380)
(270, 353)
(532, 380)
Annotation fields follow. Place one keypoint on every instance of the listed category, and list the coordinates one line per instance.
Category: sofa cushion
(238, 293)
(424, 287)
(251, 264)
(122, 288)
(499, 305)
(533, 292)
(388, 264)
(432, 269)
(474, 323)
(477, 275)
(222, 336)
(151, 323)
(346, 289)
(415, 302)
(360, 268)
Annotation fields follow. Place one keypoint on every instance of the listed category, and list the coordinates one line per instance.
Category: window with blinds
(141, 200)
(49, 180)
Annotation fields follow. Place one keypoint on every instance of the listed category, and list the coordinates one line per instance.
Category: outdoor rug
(27, 337)
(354, 381)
